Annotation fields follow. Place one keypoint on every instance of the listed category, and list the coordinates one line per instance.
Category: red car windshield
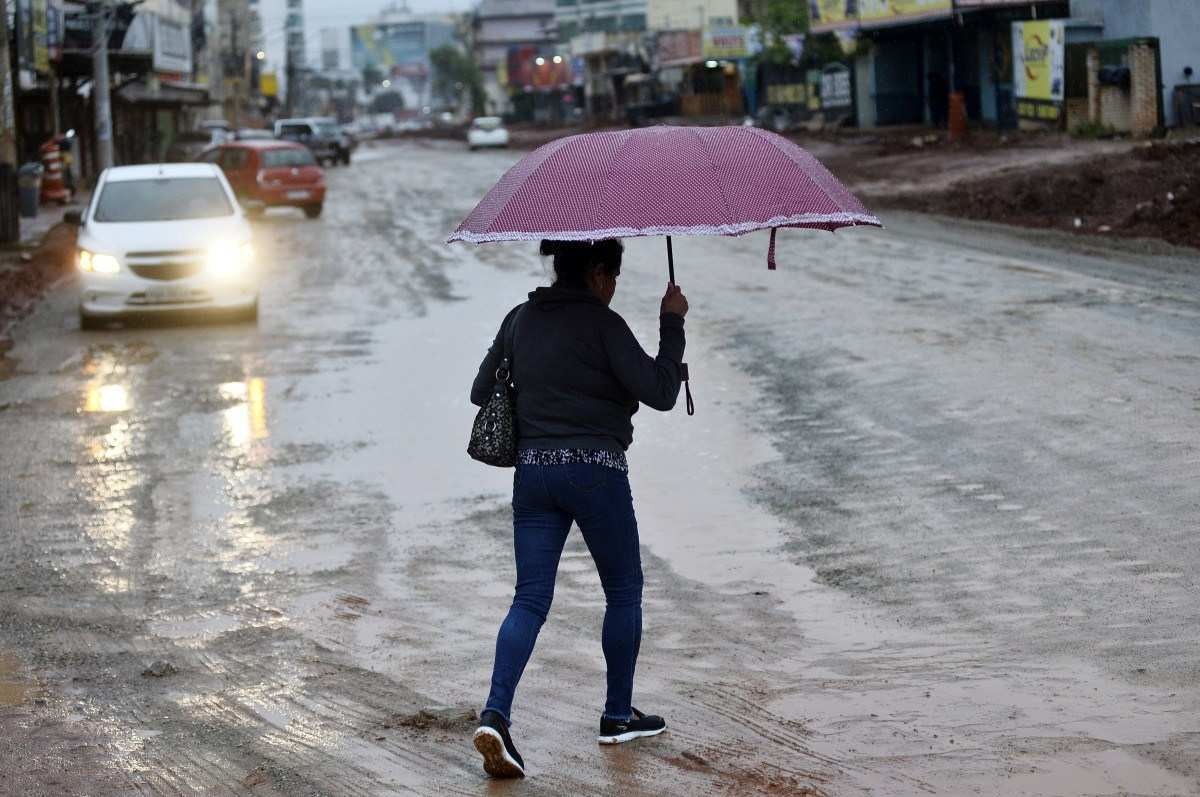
(283, 158)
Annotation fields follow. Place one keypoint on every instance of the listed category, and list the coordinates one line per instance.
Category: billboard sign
(873, 13)
(172, 47)
(837, 90)
(677, 47)
(388, 46)
(727, 42)
(826, 15)
(1039, 57)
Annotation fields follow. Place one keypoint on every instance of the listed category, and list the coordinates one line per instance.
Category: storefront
(911, 55)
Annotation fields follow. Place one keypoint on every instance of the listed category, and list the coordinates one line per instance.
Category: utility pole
(100, 96)
(10, 224)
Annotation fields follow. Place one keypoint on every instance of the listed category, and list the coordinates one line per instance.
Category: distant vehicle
(414, 125)
(271, 173)
(163, 238)
(187, 145)
(487, 131)
(320, 134)
(218, 130)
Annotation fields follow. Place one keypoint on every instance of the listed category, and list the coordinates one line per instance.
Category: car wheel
(312, 211)
(90, 322)
(346, 158)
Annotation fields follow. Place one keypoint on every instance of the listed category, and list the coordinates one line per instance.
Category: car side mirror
(73, 217)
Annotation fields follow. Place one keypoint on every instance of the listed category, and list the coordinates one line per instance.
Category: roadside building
(925, 61)
(699, 55)
(606, 40)
(910, 56)
(502, 27)
(239, 37)
(390, 53)
(155, 96)
(1174, 28)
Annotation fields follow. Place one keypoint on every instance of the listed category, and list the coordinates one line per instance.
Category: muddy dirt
(25, 276)
(1152, 191)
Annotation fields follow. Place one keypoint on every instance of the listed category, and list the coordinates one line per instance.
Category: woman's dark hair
(574, 259)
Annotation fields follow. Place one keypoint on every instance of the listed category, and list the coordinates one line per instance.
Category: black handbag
(494, 433)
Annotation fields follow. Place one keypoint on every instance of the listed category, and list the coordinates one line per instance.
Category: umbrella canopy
(662, 181)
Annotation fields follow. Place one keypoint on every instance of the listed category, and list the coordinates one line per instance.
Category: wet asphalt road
(932, 530)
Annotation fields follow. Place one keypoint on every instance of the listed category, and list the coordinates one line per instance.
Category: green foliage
(372, 77)
(454, 72)
(387, 102)
(778, 18)
(820, 49)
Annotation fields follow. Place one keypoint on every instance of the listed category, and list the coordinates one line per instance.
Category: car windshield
(487, 122)
(162, 199)
(276, 158)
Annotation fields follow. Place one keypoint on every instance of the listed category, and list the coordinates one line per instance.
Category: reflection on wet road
(930, 531)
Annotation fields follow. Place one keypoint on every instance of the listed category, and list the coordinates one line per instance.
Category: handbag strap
(510, 339)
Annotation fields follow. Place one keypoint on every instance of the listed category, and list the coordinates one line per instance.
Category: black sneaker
(500, 756)
(617, 731)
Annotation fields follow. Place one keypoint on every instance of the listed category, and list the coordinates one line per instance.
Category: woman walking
(580, 375)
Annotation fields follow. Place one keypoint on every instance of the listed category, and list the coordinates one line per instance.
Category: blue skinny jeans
(546, 498)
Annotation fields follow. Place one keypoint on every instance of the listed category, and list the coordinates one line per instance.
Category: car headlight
(94, 263)
(226, 259)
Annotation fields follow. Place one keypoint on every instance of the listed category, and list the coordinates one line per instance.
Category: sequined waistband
(572, 456)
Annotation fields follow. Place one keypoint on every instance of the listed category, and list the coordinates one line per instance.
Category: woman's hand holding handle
(674, 301)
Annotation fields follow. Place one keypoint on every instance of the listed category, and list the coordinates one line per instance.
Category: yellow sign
(787, 94)
(826, 15)
(268, 84)
(1038, 60)
(876, 11)
(41, 53)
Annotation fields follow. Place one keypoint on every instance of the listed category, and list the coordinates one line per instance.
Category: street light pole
(100, 96)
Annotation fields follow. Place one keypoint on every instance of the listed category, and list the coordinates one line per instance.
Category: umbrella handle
(687, 389)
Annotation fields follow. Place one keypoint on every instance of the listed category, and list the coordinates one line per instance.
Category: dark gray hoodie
(580, 373)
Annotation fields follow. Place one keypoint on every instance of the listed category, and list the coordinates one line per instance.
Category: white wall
(687, 14)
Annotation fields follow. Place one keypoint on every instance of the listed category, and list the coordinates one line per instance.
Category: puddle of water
(13, 690)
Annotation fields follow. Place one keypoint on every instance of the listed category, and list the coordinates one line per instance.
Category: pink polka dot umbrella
(663, 181)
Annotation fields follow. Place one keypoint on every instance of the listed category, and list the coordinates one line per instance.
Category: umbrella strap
(771, 251)
(687, 389)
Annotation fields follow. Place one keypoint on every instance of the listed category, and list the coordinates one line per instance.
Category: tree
(372, 77)
(387, 102)
(456, 73)
(778, 18)
(820, 49)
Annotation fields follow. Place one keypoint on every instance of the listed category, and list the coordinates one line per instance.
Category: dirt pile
(24, 276)
(1152, 191)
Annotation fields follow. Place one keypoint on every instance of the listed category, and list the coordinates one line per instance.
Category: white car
(164, 238)
(487, 131)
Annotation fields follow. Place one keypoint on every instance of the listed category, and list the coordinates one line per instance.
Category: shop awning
(78, 63)
(906, 12)
(167, 93)
(682, 62)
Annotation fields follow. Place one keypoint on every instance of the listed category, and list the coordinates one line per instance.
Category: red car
(275, 173)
